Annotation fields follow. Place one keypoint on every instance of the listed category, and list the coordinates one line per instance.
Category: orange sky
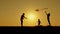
(11, 10)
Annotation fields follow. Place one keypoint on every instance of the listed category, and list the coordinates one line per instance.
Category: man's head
(23, 13)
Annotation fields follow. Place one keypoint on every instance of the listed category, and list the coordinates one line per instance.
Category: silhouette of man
(48, 18)
(22, 17)
(38, 22)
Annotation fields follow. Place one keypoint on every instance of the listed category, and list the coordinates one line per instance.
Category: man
(48, 18)
(22, 17)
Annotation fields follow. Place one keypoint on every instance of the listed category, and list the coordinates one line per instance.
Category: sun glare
(31, 16)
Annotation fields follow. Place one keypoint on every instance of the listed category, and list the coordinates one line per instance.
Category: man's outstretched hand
(25, 17)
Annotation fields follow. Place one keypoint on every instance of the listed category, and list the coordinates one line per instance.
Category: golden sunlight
(31, 16)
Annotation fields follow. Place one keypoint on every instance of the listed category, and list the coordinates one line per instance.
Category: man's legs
(49, 22)
(21, 23)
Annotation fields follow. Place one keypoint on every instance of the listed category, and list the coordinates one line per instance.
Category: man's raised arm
(46, 12)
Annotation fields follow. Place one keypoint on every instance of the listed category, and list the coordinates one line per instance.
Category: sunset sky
(11, 11)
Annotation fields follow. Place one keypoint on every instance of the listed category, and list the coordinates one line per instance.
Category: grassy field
(30, 28)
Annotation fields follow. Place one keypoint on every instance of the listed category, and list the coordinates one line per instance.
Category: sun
(31, 16)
